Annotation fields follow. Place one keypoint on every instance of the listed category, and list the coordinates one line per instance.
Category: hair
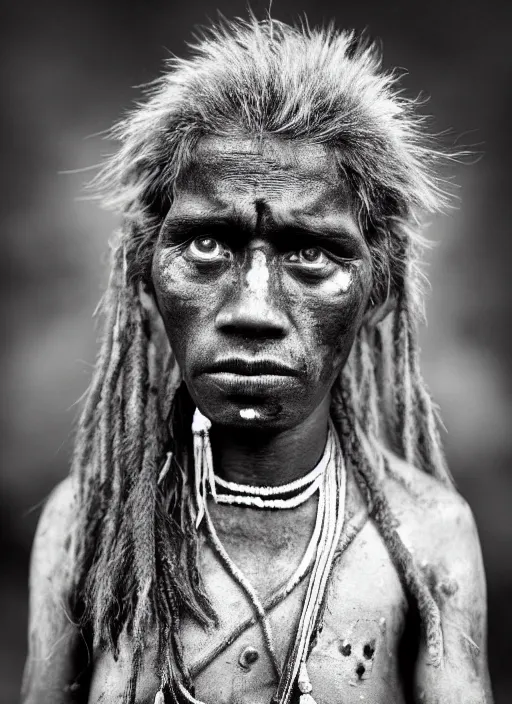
(136, 538)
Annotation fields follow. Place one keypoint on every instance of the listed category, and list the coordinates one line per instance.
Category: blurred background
(69, 69)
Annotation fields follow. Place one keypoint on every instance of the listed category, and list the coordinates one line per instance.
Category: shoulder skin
(57, 653)
(438, 527)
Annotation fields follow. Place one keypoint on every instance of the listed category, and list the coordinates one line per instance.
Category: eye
(310, 257)
(206, 249)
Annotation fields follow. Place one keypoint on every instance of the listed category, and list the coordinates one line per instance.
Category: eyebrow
(190, 224)
(185, 224)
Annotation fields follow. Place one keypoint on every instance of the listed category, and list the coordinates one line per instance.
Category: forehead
(294, 180)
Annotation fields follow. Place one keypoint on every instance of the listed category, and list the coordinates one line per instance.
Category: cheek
(342, 298)
(330, 316)
(180, 300)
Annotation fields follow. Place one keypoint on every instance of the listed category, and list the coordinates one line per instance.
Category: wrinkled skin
(260, 263)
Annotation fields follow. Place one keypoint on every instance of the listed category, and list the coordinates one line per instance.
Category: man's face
(262, 276)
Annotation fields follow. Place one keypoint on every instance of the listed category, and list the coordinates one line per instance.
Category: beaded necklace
(329, 479)
(272, 497)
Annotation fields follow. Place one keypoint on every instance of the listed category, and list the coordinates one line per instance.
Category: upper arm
(457, 580)
(56, 647)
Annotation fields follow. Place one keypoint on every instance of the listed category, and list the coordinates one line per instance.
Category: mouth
(241, 366)
(241, 376)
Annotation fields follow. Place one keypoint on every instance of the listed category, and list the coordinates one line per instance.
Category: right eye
(206, 249)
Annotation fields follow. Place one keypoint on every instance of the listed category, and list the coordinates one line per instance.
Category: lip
(250, 367)
(250, 384)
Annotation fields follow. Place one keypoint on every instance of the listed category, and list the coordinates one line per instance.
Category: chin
(256, 413)
(267, 403)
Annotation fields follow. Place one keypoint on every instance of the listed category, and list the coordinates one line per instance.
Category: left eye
(206, 249)
(312, 257)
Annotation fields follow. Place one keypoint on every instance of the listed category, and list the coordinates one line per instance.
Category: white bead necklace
(281, 489)
(260, 502)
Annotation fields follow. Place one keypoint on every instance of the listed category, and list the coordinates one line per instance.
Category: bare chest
(356, 657)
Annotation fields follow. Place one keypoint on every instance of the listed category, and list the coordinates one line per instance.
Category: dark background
(68, 71)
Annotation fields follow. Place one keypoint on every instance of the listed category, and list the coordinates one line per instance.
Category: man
(258, 508)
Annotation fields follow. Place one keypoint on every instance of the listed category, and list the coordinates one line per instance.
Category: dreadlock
(136, 538)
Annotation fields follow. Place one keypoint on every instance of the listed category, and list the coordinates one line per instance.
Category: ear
(376, 313)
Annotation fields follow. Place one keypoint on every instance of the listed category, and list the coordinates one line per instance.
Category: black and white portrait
(256, 362)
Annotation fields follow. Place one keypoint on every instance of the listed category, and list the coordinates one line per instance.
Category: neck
(270, 459)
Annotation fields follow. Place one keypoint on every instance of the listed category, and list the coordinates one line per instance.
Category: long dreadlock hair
(136, 538)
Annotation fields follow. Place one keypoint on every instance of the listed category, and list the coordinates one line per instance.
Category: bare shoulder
(435, 520)
(439, 529)
(53, 662)
(51, 551)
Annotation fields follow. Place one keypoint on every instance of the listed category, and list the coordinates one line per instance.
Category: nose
(253, 310)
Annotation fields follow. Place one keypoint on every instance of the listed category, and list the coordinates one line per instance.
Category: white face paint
(343, 279)
(248, 413)
(258, 275)
(339, 282)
